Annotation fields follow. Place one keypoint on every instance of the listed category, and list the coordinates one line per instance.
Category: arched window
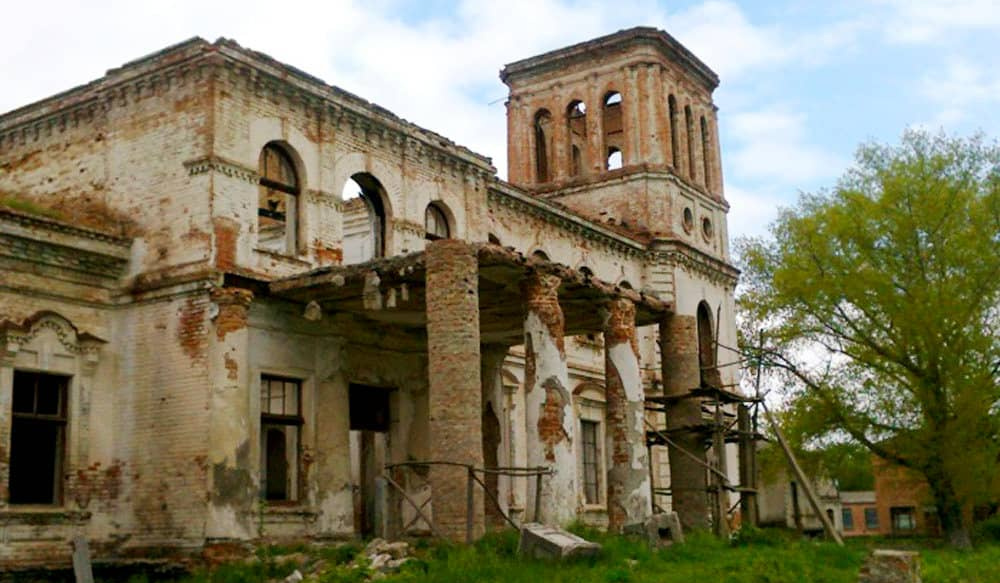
(675, 142)
(614, 131)
(706, 344)
(614, 161)
(435, 223)
(364, 219)
(277, 201)
(576, 125)
(689, 125)
(705, 158)
(539, 254)
(543, 124)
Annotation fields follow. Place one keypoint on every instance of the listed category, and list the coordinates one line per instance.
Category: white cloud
(960, 90)
(772, 147)
(752, 209)
(922, 21)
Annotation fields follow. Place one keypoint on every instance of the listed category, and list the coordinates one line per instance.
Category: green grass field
(762, 557)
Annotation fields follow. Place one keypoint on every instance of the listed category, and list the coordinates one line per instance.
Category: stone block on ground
(887, 566)
(658, 529)
(548, 542)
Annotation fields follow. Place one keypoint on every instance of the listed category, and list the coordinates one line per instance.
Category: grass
(764, 556)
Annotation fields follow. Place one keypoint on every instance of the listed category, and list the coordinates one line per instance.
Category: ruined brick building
(231, 294)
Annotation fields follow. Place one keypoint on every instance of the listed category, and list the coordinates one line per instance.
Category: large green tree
(880, 305)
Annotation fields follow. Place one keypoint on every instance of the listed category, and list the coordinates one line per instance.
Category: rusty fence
(474, 476)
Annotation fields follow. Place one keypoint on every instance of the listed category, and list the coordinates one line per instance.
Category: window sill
(282, 256)
(289, 509)
(42, 515)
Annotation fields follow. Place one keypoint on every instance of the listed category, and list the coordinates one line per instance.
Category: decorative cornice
(408, 226)
(567, 221)
(87, 104)
(36, 221)
(14, 336)
(698, 263)
(222, 166)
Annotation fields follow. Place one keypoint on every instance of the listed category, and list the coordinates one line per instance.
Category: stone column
(596, 153)
(329, 481)
(681, 373)
(559, 165)
(454, 393)
(629, 494)
(631, 106)
(550, 426)
(233, 483)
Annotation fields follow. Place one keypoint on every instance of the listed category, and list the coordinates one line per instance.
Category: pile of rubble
(379, 559)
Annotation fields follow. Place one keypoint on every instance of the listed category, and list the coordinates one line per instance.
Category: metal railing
(472, 478)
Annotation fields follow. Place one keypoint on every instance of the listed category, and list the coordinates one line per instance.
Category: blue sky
(803, 83)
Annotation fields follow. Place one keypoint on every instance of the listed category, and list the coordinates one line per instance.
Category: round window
(706, 228)
(688, 219)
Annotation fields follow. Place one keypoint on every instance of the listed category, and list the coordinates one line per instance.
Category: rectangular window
(871, 519)
(280, 426)
(848, 518)
(37, 438)
(903, 519)
(591, 462)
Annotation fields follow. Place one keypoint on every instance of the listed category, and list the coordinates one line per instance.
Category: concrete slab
(547, 542)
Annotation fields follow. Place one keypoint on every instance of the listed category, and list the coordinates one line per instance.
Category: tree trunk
(949, 510)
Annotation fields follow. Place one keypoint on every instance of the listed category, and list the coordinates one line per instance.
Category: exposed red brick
(232, 367)
(550, 423)
(541, 296)
(232, 315)
(328, 255)
(191, 328)
(226, 234)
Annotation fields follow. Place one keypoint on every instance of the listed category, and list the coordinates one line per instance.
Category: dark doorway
(369, 422)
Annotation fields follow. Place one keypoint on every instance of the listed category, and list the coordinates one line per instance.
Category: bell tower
(621, 129)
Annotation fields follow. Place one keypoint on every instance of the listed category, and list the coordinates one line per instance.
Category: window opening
(689, 125)
(543, 121)
(591, 467)
(848, 518)
(614, 159)
(435, 223)
(493, 239)
(903, 519)
(675, 146)
(539, 254)
(614, 130)
(576, 122)
(37, 439)
(276, 209)
(871, 518)
(706, 345)
(364, 218)
(688, 219)
(280, 430)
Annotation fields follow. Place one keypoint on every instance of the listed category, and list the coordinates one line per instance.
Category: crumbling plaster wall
(121, 142)
(329, 146)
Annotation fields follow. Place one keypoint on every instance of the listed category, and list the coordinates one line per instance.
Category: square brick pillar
(549, 419)
(233, 485)
(629, 493)
(681, 374)
(455, 391)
